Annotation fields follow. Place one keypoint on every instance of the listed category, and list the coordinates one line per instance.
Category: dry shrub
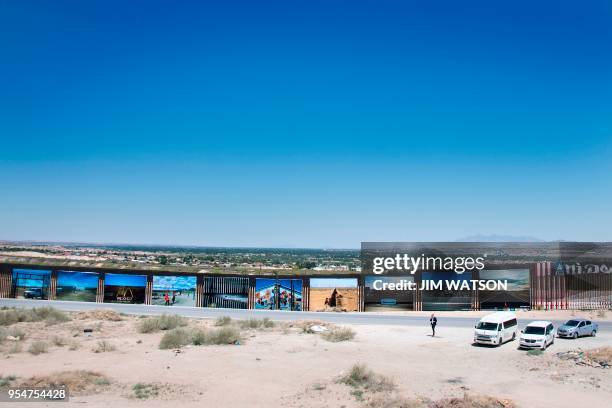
(222, 335)
(145, 390)
(306, 325)
(38, 347)
(15, 348)
(223, 321)
(394, 401)
(59, 341)
(77, 381)
(16, 333)
(163, 322)
(175, 338)
(361, 377)
(337, 334)
(472, 401)
(100, 314)
(6, 381)
(467, 401)
(252, 323)
(103, 347)
(200, 337)
(600, 355)
(49, 315)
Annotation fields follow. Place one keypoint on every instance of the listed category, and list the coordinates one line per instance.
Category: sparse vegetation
(38, 347)
(535, 352)
(16, 333)
(15, 348)
(59, 341)
(362, 378)
(163, 322)
(472, 401)
(103, 347)
(252, 323)
(223, 321)
(175, 338)
(467, 401)
(101, 314)
(200, 337)
(77, 381)
(6, 381)
(306, 325)
(145, 391)
(49, 315)
(222, 335)
(337, 334)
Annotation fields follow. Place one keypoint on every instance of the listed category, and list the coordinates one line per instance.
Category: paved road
(210, 313)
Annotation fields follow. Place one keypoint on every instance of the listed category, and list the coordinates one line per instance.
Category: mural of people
(278, 294)
(174, 290)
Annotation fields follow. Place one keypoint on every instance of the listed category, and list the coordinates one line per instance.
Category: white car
(539, 334)
(496, 328)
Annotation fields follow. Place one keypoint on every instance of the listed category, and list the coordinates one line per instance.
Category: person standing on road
(433, 321)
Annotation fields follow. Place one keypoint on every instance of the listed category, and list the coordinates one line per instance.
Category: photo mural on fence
(77, 286)
(334, 294)
(174, 290)
(516, 293)
(278, 294)
(446, 299)
(31, 283)
(121, 288)
(226, 292)
(379, 298)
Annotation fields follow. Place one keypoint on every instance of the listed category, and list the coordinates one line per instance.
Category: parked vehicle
(577, 327)
(496, 328)
(33, 293)
(539, 334)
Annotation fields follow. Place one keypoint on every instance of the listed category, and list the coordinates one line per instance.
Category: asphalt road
(211, 313)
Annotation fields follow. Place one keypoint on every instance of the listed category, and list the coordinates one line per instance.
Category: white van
(538, 334)
(496, 328)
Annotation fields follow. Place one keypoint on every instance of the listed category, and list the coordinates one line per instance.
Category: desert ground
(111, 359)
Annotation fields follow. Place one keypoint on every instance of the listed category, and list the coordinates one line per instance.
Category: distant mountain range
(499, 238)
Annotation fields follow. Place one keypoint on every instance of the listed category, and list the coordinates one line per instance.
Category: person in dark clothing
(433, 321)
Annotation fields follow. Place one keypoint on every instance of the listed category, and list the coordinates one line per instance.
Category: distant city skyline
(309, 125)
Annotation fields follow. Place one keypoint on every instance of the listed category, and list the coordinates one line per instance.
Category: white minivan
(496, 328)
(538, 334)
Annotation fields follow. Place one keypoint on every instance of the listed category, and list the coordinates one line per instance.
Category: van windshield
(486, 326)
(534, 330)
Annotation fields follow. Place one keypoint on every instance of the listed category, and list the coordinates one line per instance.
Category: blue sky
(319, 124)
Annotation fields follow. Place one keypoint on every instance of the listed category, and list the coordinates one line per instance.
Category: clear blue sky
(318, 124)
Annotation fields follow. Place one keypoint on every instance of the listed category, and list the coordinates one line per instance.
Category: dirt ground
(283, 366)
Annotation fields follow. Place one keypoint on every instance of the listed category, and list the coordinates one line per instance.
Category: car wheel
(575, 335)
(513, 336)
(593, 333)
(552, 341)
(499, 342)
